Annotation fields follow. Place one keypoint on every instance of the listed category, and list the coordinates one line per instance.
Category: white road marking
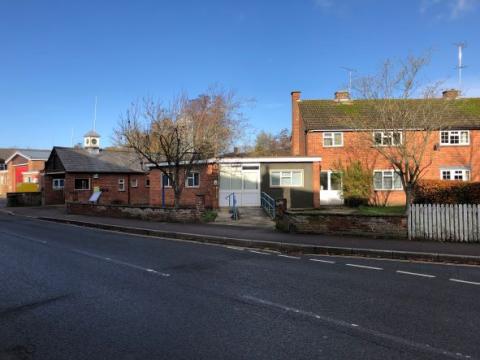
(234, 248)
(354, 327)
(415, 274)
(290, 257)
(323, 261)
(364, 266)
(258, 252)
(465, 282)
(118, 262)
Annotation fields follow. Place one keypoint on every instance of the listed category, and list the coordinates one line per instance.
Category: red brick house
(74, 174)
(19, 166)
(320, 128)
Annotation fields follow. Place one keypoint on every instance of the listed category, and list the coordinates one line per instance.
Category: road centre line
(364, 267)
(119, 262)
(258, 252)
(323, 261)
(465, 282)
(290, 257)
(415, 274)
(356, 328)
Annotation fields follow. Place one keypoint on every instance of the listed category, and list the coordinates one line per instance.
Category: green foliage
(381, 210)
(209, 216)
(356, 184)
(447, 192)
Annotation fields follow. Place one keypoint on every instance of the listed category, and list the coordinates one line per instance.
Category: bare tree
(178, 137)
(399, 117)
(269, 144)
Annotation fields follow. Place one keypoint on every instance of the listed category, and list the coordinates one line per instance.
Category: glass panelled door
(330, 188)
(243, 180)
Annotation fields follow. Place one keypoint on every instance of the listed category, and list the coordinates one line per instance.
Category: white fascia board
(285, 159)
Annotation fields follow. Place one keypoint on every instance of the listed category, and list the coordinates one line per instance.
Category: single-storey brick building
(74, 174)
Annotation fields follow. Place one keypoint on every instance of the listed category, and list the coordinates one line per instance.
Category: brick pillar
(316, 183)
(200, 202)
(297, 126)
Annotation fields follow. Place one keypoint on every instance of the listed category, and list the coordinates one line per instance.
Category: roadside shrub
(209, 216)
(356, 184)
(447, 192)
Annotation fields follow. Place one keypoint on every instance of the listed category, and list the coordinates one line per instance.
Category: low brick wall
(137, 212)
(24, 199)
(392, 226)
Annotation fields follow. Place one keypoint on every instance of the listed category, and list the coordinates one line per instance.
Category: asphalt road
(74, 293)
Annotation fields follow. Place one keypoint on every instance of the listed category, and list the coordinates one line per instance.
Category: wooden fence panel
(460, 222)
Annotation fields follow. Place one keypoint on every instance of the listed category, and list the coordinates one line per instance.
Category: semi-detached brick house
(74, 174)
(321, 128)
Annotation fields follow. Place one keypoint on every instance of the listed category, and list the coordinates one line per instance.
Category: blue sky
(56, 56)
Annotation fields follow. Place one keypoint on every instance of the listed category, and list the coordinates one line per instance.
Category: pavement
(271, 239)
(80, 293)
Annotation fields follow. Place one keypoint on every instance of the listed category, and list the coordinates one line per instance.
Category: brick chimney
(342, 95)
(298, 134)
(451, 94)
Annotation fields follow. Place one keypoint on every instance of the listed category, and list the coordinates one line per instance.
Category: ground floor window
(134, 183)
(286, 178)
(166, 180)
(58, 184)
(330, 180)
(82, 184)
(121, 184)
(193, 179)
(455, 174)
(387, 180)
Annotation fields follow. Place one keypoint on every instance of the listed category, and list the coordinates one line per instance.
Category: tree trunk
(176, 200)
(409, 198)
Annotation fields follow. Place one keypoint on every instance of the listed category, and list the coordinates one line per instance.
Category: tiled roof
(33, 154)
(330, 115)
(105, 161)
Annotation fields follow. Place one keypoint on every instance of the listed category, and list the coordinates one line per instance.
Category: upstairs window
(121, 184)
(387, 138)
(387, 180)
(193, 179)
(455, 137)
(3, 166)
(147, 182)
(134, 183)
(82, 184)
(455, 174)
(332, 139)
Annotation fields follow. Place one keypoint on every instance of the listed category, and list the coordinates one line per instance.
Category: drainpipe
(128, 189)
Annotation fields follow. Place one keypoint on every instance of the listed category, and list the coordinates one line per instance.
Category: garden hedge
(447, 192)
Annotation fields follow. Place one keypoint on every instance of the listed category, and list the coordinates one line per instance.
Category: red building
(74, 174)
(321, 128)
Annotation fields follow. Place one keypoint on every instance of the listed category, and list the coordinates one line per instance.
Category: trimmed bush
(447, 192)
(356, 184)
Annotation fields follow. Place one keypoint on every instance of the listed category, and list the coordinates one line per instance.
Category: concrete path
(267, 235)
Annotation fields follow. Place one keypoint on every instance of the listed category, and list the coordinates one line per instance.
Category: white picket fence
(459, 222)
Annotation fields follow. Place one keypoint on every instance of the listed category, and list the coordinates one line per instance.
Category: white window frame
(331, 135)
(386, 135)
(165, 177)
(56, 184)
(451, 133)
(392, 175)
(465, 173)
(89, 184)
(3, 167)
(281, 171)
(191, 176)
(134, 183)
(121, 184)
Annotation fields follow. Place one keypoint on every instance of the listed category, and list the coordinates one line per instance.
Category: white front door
(241, 179)
(330, 188)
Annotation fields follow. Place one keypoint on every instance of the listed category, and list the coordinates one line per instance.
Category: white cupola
(91, 141)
